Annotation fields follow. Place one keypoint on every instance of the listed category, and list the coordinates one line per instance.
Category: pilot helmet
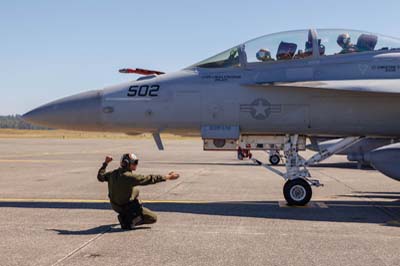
(308, 49)
(127, 159)
(263, 55)
(343, 40)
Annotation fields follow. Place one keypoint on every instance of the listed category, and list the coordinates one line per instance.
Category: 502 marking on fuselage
(143, 91)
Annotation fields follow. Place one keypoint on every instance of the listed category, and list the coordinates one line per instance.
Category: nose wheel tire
(274, 159)
(297, 192)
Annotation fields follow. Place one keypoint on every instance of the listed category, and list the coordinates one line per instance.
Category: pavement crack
(382, 209)
(73, 252)
(179, 184)
(336, 179)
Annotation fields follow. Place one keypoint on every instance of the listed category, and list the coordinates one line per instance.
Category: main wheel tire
(274, 159)
(297, 192)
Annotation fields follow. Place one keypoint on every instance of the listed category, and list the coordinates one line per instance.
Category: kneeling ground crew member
(123, 194)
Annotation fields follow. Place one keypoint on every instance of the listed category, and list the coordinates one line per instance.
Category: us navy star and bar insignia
(260, 109)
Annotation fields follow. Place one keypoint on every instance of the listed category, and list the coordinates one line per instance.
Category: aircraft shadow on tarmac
(378, 212)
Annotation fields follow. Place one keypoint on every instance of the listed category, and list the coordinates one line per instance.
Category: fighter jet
(270, 92)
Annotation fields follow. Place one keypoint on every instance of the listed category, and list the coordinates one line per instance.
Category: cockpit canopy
(301, 44)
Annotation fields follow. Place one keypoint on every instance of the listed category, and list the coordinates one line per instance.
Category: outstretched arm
(102, 175)
(141, 180)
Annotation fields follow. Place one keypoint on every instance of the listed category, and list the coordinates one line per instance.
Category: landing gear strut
(297, 189)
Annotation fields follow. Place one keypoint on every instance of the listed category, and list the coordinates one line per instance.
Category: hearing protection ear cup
(128, 159)
(125, 161)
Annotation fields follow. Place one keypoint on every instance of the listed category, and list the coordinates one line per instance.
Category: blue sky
(51, 49)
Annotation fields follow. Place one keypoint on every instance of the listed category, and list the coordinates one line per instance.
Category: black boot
(125, 225)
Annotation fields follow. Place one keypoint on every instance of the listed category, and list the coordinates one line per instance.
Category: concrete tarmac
(220, 212)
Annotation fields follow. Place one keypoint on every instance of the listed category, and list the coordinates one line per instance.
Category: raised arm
(102, 175)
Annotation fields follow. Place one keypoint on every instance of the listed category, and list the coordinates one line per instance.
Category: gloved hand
(172, 176)
(108, 159)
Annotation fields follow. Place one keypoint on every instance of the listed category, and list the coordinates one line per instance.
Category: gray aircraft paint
(386, 160)
(354, 94)
(356, 152)
(306, 111)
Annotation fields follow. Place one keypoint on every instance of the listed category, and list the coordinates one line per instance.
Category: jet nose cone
(78, 112)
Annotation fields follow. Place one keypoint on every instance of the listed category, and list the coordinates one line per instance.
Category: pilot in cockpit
(264, 55)
(308, 50)
(344, 41)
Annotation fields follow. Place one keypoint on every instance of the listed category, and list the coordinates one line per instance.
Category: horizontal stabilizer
(140, 71)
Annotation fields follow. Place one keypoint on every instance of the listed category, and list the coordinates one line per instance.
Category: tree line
(16, 122)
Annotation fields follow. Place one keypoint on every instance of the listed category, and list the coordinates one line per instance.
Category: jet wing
(370, 85)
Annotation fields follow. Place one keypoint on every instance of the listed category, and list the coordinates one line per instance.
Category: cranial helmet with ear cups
(128, 159)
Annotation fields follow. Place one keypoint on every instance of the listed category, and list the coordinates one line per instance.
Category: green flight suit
(124, 195)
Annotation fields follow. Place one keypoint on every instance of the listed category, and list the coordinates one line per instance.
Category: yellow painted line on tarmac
(55, 200)
(180, 201)
(282, 204)
(144, 201)
(98, 201)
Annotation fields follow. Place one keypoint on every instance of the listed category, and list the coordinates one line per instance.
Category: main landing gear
(297, 189)
(297, 192)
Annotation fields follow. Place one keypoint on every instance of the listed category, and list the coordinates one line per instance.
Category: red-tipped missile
(140, 71)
